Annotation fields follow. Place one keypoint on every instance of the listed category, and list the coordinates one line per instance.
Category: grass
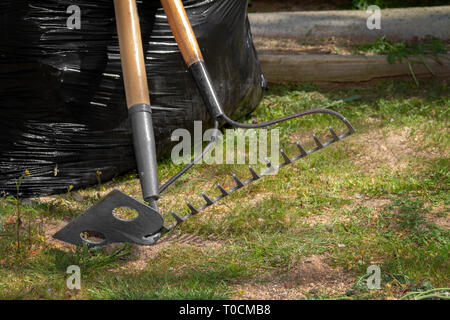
(396, 51)
(378, 198)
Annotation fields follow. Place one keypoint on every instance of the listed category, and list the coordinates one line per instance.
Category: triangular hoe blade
(100, 219)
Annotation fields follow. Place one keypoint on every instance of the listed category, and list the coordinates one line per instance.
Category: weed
(412, 52)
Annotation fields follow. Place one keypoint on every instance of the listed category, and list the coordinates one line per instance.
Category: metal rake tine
(287, 160)
(302, 150)
(222, 190)
(254, 174)
(270, 166)
(319, 144)
(334, 134)
(192, 208)
(268, 163)
(177, 217)
(238, 182)
(209, 202)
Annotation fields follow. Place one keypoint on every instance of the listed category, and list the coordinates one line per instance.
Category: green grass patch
(348, 204)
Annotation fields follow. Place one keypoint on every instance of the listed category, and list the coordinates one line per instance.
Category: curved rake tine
(209, 202)
(222, 190)
(177, 218)
(270, 166)
(302, 150)
(194, 211)
(239, 183)
(317, 141)
(254, 174)
(334, 134)
(287, 160)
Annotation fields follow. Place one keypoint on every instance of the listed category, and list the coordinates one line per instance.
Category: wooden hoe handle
(131, 52)
(138, 98)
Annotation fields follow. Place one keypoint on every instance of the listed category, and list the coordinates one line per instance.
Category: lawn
(380, 197)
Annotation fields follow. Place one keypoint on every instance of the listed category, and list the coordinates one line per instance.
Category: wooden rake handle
(182, 31)
(192, 55)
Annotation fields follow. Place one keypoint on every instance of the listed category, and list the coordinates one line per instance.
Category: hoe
(149, 226)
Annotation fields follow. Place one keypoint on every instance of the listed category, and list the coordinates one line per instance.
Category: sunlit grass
(354, 204)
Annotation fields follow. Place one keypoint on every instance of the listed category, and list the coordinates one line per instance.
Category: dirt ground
(309, 276)
(293, 46)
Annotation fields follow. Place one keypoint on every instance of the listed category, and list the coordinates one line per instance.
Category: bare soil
(292, 46)
(440, 217)
(141, 255)
(311, 276)
(393, 149)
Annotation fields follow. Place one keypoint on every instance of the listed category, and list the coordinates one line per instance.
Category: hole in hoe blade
(125, 213)
(93, 237)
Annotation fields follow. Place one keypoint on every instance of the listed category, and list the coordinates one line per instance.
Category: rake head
(239, 184)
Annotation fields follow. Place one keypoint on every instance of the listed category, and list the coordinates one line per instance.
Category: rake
(149, 226)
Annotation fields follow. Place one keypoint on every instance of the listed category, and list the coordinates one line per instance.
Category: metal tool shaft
(138, 98)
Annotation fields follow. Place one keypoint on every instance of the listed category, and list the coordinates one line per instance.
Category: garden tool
(149, 226)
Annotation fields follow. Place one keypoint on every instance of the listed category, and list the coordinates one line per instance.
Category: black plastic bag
(63, 114)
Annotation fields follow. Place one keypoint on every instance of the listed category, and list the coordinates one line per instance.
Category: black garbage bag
(63, 114)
